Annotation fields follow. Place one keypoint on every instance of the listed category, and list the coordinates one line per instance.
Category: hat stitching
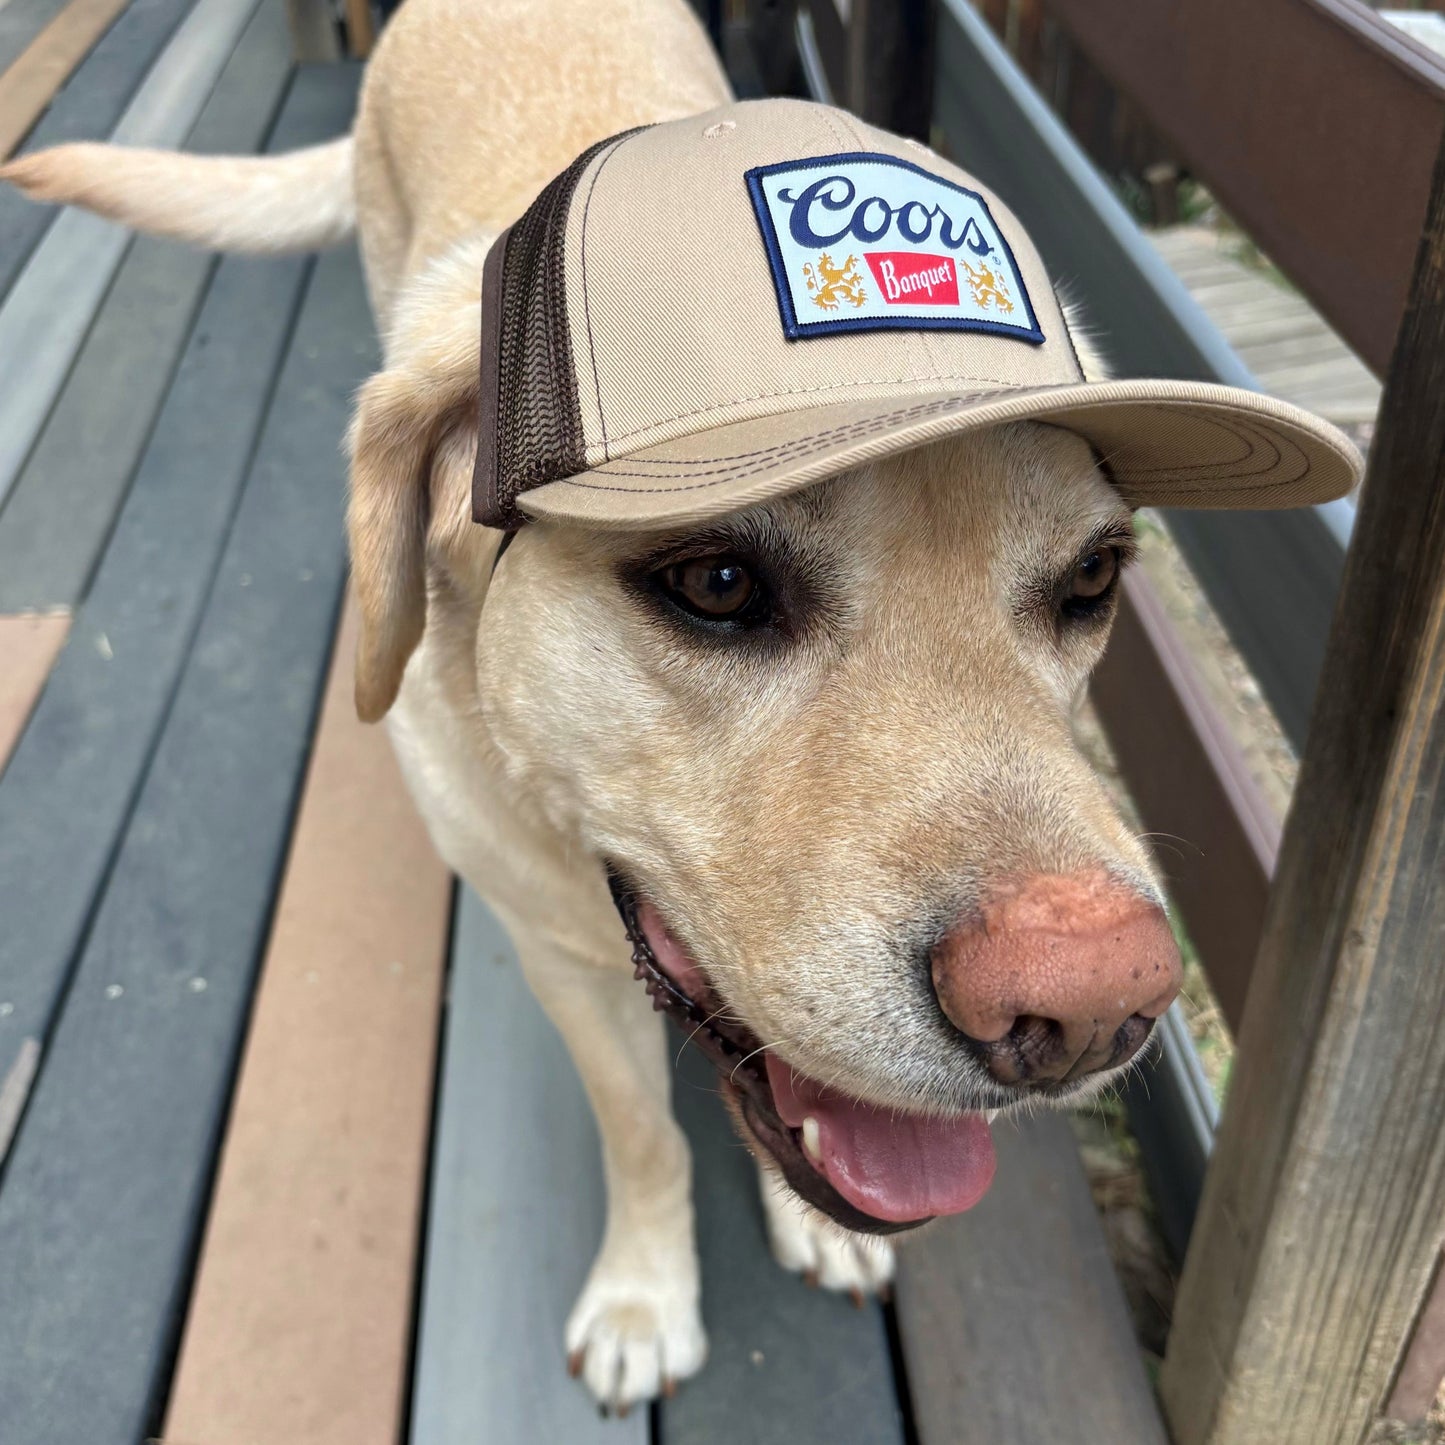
(1010, 384)
(829, 120)
(819, 442)
(586, 303)
(1249, 433)
(802, 448)
(1192, 412)
(765, 454)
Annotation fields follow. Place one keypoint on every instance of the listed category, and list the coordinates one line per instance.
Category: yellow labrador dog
(818, 526)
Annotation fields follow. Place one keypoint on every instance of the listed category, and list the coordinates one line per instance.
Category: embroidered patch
(867, 242)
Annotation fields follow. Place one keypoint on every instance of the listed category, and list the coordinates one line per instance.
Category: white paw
(634, 1333)
(810, 1244)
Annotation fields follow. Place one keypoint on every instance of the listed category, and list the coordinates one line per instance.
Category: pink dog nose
(1058, 976)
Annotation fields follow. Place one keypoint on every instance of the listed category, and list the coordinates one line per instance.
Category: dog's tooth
(812, 1143)
(989, 1115)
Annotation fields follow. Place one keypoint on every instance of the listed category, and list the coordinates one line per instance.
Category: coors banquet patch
(867, 242)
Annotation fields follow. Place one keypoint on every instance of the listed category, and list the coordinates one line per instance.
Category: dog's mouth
(870, 1169)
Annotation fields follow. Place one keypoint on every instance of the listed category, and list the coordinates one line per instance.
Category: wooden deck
(288, 1152)
(1279, 336)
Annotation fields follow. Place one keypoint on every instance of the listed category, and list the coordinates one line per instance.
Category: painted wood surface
(67, 793)
(1324, 1209)
(20, 22)
(62, 507)
(1288, 346)
(300, 1324)
(1014, 1325)
(65, 797)
(48, 310)
(29, 646)
(88, 108)
(109, 1174)
(516, 1215)
(28, 86)
(789, 1365)
(108, 1178)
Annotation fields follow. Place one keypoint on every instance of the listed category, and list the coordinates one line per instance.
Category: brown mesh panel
(531, 423)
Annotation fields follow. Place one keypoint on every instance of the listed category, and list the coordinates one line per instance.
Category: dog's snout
(1057, 976)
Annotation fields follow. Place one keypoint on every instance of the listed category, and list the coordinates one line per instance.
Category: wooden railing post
(1324, 1209)
(891, 63)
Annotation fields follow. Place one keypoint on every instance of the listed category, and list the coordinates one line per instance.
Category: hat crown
(755, 258)
(700, 314)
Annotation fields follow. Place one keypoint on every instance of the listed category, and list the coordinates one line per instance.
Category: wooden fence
(1314, 1209)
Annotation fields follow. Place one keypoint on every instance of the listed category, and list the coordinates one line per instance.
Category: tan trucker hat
(699, 315)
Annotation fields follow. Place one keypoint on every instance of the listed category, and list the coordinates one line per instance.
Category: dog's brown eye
(1094, 575)
(717, 587)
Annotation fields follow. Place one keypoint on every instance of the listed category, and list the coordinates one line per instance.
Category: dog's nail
(885, 1294)
(622, 1411)
(574, 1361)
(810, 1278)
(604, 1412)
(812, 1140)
(856, 1295)
(669, 1387)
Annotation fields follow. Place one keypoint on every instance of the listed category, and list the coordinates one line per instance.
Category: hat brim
(1164, 443)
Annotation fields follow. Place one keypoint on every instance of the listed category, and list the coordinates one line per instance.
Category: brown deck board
(28, 646)
(44, 66)
(299, 1326)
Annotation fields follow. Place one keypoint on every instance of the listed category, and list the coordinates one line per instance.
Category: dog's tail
(297, 202)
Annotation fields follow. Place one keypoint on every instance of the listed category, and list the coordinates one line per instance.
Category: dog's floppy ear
(401, 416)
(425, 400)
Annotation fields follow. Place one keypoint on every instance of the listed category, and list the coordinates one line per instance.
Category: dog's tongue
(894, 1166)
(897, 1167)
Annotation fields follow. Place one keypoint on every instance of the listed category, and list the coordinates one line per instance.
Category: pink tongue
(890, 1165)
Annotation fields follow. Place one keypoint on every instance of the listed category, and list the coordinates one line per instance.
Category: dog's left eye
(1092, 581)
(722, 589)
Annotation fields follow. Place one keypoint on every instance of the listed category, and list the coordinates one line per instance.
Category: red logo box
(914, 278)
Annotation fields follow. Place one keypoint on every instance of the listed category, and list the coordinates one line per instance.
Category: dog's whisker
(761, 1048)
(1172, 838)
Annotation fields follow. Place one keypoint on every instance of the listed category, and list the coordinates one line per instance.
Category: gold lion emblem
(987, 289)
(833, 286)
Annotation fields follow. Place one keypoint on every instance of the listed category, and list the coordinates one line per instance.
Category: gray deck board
(516, 1213)
(515, 1218)
(87, 107)
(788, 1365)
(1013, 1322)
(64, 502)
(105, 1190)
(48, 310)
(70, 782)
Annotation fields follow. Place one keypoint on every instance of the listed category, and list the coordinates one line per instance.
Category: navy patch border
(796, 330)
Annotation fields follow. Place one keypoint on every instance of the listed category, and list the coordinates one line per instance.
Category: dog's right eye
(716, 589)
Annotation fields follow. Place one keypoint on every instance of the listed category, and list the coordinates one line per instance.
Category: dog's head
(824, 747)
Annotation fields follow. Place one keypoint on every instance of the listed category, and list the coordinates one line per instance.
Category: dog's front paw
(824, 1253)
(634, 1333)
